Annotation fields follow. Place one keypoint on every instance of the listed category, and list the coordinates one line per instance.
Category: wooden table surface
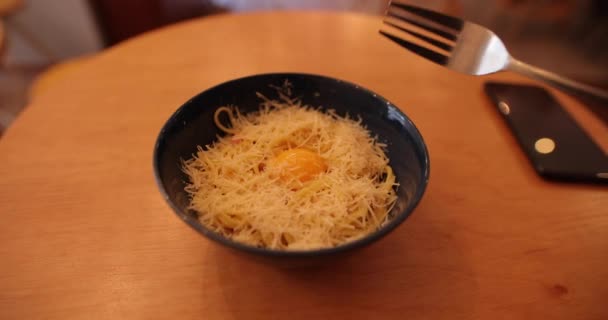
(85, 234)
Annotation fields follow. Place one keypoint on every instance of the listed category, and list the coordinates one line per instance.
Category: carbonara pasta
(290, 177)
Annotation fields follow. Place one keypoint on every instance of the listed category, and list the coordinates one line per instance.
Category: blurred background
(41, 40)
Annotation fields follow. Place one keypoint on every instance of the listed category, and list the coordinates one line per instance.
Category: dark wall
(119, 20)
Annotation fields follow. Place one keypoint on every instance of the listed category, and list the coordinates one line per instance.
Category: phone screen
(555, 144)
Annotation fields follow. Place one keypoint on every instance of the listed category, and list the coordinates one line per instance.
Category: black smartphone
(555, 144)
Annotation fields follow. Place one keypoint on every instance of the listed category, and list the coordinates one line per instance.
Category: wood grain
(84, 233)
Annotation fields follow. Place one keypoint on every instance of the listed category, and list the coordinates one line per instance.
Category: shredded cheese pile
(290, 177)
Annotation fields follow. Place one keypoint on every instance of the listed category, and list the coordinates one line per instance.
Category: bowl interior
(192, 125)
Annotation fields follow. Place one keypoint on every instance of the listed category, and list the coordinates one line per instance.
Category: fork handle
(583, 91)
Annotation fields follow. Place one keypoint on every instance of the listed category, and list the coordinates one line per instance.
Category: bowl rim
(361, 242)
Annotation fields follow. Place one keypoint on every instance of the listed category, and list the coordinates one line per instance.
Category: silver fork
(470, 48)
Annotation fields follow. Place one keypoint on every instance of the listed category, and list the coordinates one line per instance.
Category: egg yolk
(299, 163)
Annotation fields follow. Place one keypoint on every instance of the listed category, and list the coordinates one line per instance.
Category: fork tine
(448, 21)
(421, 51)
(445, 34)
(437, 43)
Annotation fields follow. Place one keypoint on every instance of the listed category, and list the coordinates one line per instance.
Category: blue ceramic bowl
(192, 125)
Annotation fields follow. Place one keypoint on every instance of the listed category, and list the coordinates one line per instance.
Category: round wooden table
(85, 234)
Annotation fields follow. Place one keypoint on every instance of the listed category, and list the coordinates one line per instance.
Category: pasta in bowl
(291, 164)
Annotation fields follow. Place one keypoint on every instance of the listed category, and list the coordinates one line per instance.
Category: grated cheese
(239, 192)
